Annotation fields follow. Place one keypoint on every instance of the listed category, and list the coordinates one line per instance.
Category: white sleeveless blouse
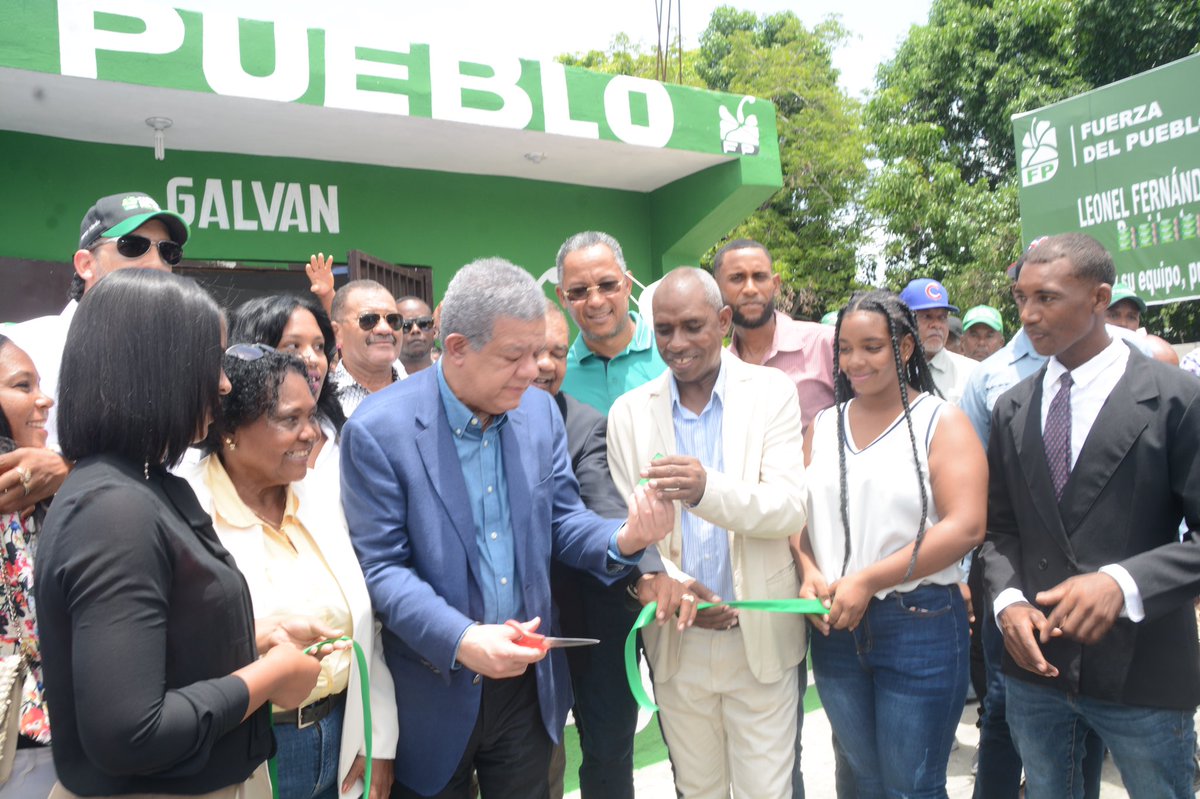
(883, 500)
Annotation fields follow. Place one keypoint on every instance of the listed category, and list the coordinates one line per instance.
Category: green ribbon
(634, 676)
(364, 684)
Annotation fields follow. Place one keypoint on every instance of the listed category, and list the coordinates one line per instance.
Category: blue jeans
(999, 774)
(894, 690)
(307, 759)
(1152, 747)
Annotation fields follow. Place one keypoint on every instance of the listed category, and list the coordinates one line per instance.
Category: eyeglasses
(367, 321)
(133, 246)
(607, 288)
(423, 322)
(249, 352)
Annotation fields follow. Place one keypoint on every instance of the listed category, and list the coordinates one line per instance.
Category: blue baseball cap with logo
(925, 293)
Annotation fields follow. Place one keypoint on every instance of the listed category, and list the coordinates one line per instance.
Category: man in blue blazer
(458, 490)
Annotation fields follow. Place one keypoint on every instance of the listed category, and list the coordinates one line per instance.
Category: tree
(811, 226)
(944, 197)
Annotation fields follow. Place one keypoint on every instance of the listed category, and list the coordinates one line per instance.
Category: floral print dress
(17, 545)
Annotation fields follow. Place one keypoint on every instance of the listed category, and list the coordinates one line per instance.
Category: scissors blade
(558, 643)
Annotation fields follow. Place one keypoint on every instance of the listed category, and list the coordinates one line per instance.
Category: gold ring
(688, 598)
(26, 478)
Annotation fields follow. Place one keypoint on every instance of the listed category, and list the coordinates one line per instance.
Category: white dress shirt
(1092, 383)
(951, 372)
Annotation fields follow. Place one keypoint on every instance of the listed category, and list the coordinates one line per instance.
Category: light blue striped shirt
(705, 546)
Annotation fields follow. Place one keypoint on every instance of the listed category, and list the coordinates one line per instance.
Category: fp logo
(1039, 153)
(739, 134)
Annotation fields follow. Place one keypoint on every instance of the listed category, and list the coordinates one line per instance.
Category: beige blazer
(760, 499)
(320, 511)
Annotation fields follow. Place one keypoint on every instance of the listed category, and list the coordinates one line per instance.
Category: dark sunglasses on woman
(249, 352)
(132, 245)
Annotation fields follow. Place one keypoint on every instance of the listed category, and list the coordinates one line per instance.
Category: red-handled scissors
(534, 640)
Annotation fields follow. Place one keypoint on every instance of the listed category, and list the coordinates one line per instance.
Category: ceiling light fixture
(159, 124)
(536, 158)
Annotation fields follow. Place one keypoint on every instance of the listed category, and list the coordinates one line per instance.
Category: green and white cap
(983, 315)
(117, 214)
(1122, 292)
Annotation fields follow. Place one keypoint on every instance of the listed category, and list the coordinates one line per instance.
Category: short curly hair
(255, 391)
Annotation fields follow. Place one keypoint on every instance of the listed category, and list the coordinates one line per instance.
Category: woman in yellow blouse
(289, 538)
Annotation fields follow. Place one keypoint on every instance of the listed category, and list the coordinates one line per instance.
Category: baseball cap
(983, 315)
(1122, 292)
(1015, 267)
(118, 214)
(829, 318)
(925, 293)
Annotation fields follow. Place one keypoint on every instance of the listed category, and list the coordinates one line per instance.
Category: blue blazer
(411, 524)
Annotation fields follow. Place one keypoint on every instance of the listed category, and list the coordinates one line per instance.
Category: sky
(547, 28)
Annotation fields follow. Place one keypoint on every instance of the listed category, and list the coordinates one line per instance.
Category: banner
(1122, 164)
(288, 60)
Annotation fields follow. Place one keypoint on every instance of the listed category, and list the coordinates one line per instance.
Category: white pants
(723, 727)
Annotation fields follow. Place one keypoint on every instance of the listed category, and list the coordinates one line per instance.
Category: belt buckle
(300, 715)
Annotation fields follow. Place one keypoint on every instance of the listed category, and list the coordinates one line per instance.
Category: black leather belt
(311, 713)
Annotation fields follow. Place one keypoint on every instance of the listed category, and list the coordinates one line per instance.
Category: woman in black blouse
(152, 671)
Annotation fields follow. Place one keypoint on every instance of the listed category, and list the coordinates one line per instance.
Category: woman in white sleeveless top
(898, 495)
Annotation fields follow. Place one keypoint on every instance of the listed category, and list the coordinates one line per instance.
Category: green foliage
(624, 57)
(811, 226)
(944, 195)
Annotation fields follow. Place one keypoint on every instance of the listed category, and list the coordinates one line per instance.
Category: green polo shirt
(599, 382)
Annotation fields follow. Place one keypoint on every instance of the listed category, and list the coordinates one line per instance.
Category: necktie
(1056, 436)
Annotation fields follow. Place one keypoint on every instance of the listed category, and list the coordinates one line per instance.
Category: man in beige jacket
(729, 437)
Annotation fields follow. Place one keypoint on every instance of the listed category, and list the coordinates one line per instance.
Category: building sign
(253, 205)
(1122, 164)
(151, 43)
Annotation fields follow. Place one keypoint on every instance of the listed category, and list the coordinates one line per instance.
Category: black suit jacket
(1137, 475)
(587, 447)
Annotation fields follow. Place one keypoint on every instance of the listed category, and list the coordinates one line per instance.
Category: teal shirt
(598, 382)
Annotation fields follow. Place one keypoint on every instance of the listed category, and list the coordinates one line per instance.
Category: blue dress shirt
(705, 546)
(483, 470)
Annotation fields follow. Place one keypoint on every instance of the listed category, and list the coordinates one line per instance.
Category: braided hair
(901, 322)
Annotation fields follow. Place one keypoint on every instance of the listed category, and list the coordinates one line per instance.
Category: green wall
(417, 217)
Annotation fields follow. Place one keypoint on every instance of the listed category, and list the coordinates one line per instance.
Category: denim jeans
(307, 759)
(1152, 747)
(999, 774)
(894, 690)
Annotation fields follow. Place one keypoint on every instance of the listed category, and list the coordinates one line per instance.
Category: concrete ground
(655, 782)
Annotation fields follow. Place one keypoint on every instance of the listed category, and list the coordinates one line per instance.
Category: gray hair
(588, 238)
(486, 290)
(712, 292)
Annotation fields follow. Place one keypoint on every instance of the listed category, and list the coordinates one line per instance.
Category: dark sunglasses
(607, 288)
(367, 321)
(423, 322)
(249, 352)
(133, 246)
